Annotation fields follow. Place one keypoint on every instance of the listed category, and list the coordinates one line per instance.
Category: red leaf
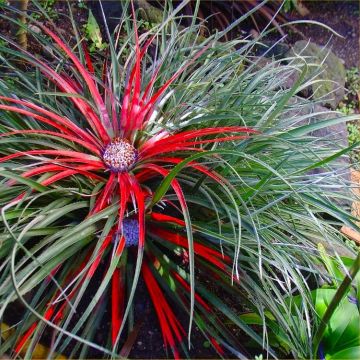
(64, 85)
(135, 108)
(203, 169)
(48, 314)
(126, 105)
(84, 73)
(67, 128)
(53, 133)
(105, 195)
(103, 247)
(217, 347)
(211, 255)
(165, 315)
(52, 168)
(184, 136)
(117, 301)
(124, 193)
(87, 58)
(67, 173)
(167, 218)
(21, 342)
(74, 154)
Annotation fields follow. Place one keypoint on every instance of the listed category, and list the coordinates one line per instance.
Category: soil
(341, 15)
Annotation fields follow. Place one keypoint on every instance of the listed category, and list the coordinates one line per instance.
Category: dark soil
(342, 16)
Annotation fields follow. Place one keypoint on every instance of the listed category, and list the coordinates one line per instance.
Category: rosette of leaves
(183, 173)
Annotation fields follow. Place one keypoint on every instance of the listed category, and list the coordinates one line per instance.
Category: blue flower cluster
(131, 232)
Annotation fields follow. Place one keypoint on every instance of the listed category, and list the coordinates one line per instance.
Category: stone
(34, 28)
(272, 50)
(335, 136)
(336, 132)
(49, 50)
(331, 89)
(289, 76)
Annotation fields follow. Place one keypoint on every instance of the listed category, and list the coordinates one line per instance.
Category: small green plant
(294, 5)
(353, 81)
(353, 129)
(93, 34)
(351, 102)
(82, 4)
(354, 132)
(346, 107)
(289, 5)
(48, 6)
(145, 25)
(339, 337)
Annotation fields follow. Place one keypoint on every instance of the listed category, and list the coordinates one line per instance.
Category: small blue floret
(131, 232)
(352, 299)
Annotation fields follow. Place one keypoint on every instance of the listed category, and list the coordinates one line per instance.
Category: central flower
(120, 155)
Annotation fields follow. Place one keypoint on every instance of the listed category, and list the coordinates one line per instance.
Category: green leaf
(93, 31)
(350, 354)
(31, 183)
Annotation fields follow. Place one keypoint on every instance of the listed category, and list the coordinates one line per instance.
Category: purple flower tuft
(321, 352)
(352, 299)
(131, 232)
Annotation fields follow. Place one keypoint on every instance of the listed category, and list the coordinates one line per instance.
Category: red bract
(115, 151)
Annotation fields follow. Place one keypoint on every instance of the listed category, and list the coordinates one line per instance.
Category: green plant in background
(353, 81)
(289, 5)
(93, 34)
(48, 6)
(82, 4)
(337, 306)
(45, 10)
(170, 176)
(339, 338)
(354, 133)
(297, 5)
(351, 102)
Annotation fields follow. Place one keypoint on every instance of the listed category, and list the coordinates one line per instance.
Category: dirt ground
(341, 15)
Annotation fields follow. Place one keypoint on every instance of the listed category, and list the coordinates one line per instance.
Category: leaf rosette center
(120, 155)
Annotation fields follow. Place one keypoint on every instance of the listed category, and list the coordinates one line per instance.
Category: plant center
(120, 155)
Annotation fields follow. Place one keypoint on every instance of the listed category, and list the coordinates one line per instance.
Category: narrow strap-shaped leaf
(89, 81)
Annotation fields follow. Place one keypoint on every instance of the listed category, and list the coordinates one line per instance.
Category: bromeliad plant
(181, 170)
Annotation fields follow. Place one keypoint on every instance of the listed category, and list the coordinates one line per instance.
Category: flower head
(119, 155)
